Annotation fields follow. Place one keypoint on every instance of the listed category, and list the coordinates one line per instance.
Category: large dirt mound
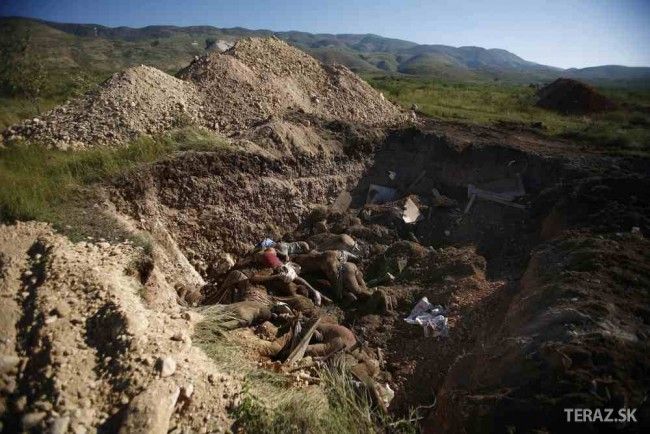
(138, 100)
(255, 81)
(262, 77)
(569, 96)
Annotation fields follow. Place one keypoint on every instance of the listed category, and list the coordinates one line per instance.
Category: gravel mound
(258, 78)
(228, 92)
(569, 96)
(138, 100)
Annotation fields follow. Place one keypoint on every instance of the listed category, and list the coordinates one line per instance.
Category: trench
(416, 163)
(472, 263)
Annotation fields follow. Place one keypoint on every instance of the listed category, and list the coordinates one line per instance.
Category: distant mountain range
(101, 49)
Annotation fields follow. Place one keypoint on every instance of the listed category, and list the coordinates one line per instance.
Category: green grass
(271, 404)
(14, 110)
(627, 128)
(50, 185)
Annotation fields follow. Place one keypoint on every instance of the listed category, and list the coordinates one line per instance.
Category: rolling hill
(96, 51)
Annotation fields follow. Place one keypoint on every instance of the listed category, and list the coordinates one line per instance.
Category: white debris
(430, 317)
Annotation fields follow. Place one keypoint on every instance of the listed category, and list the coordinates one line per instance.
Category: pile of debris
(228, 92)
(294, 294)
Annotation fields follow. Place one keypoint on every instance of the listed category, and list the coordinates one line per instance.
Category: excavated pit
(546, 295)
(534, 326)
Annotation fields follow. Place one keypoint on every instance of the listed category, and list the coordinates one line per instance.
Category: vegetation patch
(57, 186)
(514, 105)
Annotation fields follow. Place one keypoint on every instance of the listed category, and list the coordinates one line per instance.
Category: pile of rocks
(138, 100)
(259, 78)
(227, 92)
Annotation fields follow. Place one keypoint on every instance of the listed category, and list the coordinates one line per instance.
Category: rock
(186, 392)
(266, 330)
(60, 425)
(20, 404)
(32, 420)
(166, 366)
(9, 364)
(223, 264)
(181, 337)
(150, 411)
(62, 309)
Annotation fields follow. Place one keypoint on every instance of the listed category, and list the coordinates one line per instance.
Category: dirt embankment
(81, 352)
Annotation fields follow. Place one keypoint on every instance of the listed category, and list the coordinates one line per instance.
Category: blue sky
(565, 33)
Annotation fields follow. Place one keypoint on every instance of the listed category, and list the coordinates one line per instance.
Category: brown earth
(569, 96)
(80, 350)
(474, 267)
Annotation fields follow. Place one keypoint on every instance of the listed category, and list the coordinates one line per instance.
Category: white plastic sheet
(430, 317)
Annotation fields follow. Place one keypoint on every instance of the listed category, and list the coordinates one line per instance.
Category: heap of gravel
(258, 78)
(138, 100)
(227, 92)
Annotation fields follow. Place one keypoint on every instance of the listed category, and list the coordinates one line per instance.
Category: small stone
(166, 366)
(62, 309)
(9, 364)
(60, 425)
(178, 337)
(186, 392)
(31, 420)
(20, 404)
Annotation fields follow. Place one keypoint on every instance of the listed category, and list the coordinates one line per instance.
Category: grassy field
(492, 103)
(57, 186)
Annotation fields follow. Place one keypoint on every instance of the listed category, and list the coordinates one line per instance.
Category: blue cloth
(266, 243)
